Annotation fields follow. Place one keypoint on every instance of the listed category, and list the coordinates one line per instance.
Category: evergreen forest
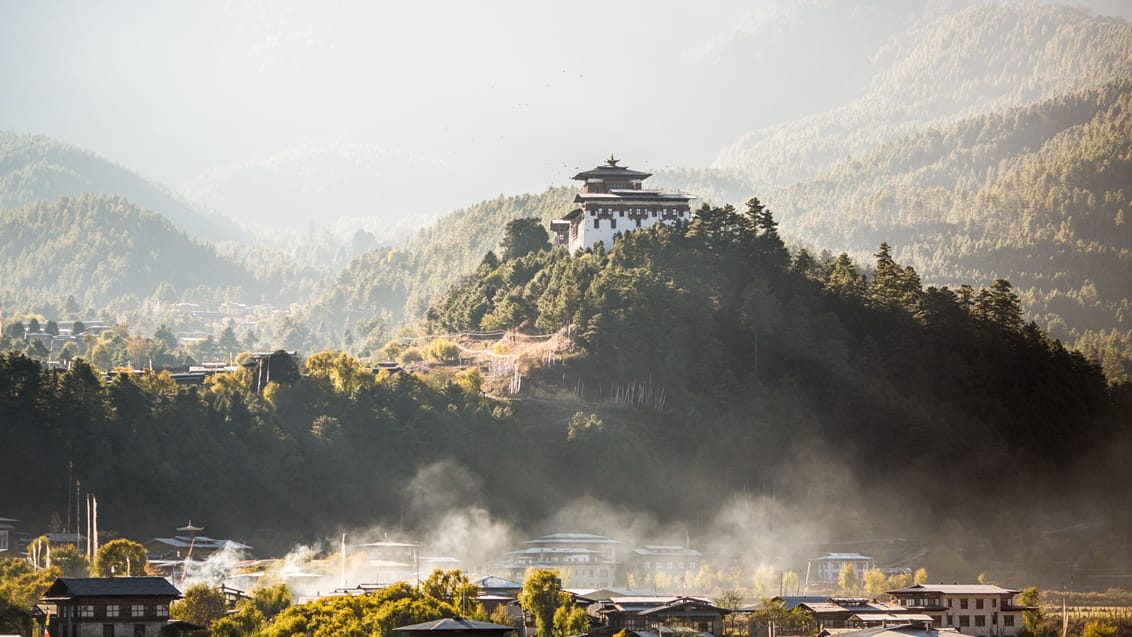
(705, 351)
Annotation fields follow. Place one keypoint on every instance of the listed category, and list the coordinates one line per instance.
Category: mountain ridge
(101, 248)
(37, 167)
(1056, 50)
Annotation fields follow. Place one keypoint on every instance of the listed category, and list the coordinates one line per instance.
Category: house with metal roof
(789, 602)
(836, 612)
(661, 615)
(827, 568)
(672, 560)
(108, 607)
(189, 544)
(497, 591)
(449, 627)
(972, 609)
(909, 629)
(582, 560)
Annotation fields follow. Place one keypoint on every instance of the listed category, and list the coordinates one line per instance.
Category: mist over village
(806, 318)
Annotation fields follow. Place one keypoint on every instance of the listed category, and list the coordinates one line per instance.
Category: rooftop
(576, 538)
(916, 629)
(954, 589)
(67, 587)
(199, 541)
(858, 607)
(843, 556)
(460, 625)
(667, 550)
(611, 171)
(491, 581)
(554, 550)
(635, 195)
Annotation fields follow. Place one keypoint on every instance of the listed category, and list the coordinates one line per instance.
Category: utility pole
(78, 515)
(70, 478)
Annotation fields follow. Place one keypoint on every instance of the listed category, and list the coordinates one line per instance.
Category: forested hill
(35, 168)
(983, 58)
(101, 249)
(755, 354)
(390, 285)
(1037, 194)
(707, 361)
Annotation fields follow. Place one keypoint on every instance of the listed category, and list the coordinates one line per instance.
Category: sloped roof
(955, 589)
(491, 581)
(632, 195)
(667, 551)
(865, 607)
(601, 594)
(555, 550)
(790, 601)
(201, 542)
(611, 171)
(876, 618)
(461, 625)
(842, 556)
(685, 601)
(67, 587)
(588, 538)
(903, 630)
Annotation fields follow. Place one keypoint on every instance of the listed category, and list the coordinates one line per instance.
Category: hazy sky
(501, 96)
(174, 89)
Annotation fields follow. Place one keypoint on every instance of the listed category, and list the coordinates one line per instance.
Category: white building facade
(582, 560)
(828, 567)
(972, 609)
(612, 201)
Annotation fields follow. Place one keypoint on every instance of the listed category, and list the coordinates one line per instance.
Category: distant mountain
(1040, 195)
(100, 248)
(400, 283)
(35, 168)
(322, 183)
(980, 59)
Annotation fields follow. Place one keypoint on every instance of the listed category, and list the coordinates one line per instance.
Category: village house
(672, 560)
(827, 568)
(497, 591)
(393, 561)
(107, 606)
(6, 527)
(972, 609)
(847, 612)
(582, 560)
(912, 629)
(455, 628)
(168, 554)
(659, 615)
(612, 201)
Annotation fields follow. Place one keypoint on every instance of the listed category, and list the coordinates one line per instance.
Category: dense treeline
(948, 162)
(746, 364)
(1037, 194)
(108, 259)
(98, 249)
(722, 299)
(255, 457)
(388, 286)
